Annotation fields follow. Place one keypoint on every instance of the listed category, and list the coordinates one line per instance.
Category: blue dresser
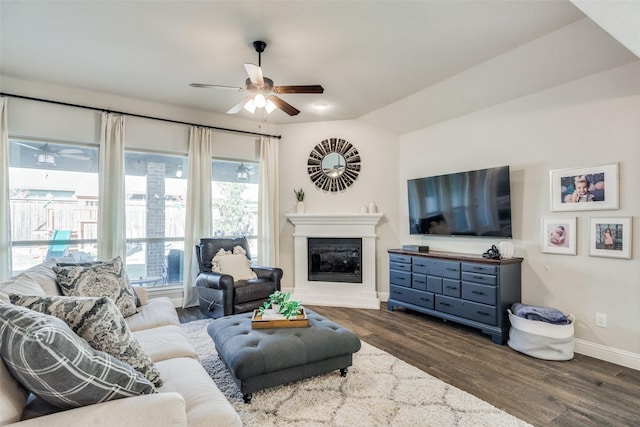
(466, 289)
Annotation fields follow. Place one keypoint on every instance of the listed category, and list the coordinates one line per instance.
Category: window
(235, 201)
(54, 202)
(155, 204)
(54, 207)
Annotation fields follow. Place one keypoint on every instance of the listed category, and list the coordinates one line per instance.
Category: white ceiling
(368, 55)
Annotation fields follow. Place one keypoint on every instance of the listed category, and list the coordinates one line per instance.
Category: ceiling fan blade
(204, 85)
(299, 89)
(75, 156)
(284, 106)
(238, 107)
(70, 151)
(255, 74)
(27, 145)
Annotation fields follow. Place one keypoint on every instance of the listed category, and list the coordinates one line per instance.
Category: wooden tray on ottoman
(301, 321)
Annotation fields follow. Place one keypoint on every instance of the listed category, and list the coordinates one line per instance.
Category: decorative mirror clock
(334, 164)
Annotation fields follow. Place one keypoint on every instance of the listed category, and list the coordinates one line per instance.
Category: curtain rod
(246, 132)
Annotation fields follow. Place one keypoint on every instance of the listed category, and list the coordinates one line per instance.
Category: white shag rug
(379, 390)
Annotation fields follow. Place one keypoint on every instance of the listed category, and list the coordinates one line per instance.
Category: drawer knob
(446, 304)
(483, 313)
(477, 292)
(452, 269)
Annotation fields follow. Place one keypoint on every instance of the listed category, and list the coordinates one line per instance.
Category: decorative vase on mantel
(300, 207)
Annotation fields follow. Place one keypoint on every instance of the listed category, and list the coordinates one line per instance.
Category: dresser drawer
(448, 305)
(479, 293)
(399, 266)
(411, 296)
(479, 268)
(448, 269)
(480, 312)
(400, 278)
(422, 265)
(485, 279)
(434, 284)
(405, 259)
(469, 310)
(451, 288)
(419, 281)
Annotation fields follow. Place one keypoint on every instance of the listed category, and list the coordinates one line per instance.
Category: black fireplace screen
(335, 259)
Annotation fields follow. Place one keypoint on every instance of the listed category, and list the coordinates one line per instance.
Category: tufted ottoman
(263, 358)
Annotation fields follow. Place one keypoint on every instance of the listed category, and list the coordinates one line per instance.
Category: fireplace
(334, 259)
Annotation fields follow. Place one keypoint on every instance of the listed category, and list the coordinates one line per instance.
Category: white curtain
(198, 222)
(111, 212)
(268, 204)
(5, 216)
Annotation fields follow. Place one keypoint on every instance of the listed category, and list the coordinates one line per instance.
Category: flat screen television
(472, 203)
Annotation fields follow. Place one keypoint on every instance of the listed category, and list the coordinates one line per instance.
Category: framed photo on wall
(610, 237)
(559, 236)
(584, 189)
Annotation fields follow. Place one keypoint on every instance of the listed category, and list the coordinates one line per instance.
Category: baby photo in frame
(559, 236)
(610, 237)
(581, 189)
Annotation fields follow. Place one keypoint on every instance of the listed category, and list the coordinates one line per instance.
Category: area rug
(379, 390)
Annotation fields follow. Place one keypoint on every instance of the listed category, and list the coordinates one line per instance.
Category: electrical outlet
(601, 320)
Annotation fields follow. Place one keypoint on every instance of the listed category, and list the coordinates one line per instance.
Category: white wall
(589, 122)
(378, 181)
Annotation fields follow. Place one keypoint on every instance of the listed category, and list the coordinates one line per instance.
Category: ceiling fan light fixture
(47, 159)
(250, 106)
(269, 106)
(260, 100)
(242, 172)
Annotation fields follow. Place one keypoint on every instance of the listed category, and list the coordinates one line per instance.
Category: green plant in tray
(285, 305)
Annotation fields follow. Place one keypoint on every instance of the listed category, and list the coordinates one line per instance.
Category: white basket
(541, 339)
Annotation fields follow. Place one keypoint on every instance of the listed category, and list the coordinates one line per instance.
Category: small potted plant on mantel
(300, 198)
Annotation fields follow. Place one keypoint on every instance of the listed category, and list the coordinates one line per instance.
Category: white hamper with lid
(541, 339)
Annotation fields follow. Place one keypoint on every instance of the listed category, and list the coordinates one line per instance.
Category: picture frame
(559, 236)
(583, 189)
(619, 242)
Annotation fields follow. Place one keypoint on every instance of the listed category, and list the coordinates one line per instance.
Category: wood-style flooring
(581, 392)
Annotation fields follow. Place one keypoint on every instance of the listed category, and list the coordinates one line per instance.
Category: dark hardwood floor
(581, 392)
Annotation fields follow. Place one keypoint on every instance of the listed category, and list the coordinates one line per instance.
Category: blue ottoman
(263, 358)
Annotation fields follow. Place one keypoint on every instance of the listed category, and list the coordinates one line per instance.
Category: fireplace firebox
(335, 259)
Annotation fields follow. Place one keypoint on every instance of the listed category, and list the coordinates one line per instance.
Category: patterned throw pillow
(106, 279)
(58, 366)
(99, 322)
(235, 264)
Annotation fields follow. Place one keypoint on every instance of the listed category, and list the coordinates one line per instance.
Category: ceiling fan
(262, 91)
(46, 155)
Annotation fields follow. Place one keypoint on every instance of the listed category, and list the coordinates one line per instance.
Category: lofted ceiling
(368, 55)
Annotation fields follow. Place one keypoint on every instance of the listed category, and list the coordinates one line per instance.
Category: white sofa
(188, 396)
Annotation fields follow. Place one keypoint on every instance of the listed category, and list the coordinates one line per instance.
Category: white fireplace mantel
(340, 225)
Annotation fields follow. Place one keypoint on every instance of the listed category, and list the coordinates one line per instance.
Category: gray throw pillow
(99, 322)
(58, 366)
(106, 279)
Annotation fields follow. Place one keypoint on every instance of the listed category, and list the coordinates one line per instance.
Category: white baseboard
(608, 354)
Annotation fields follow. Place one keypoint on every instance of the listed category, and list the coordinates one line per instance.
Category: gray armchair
(219, 294)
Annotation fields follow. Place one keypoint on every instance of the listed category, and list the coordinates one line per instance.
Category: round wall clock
(334, 164)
